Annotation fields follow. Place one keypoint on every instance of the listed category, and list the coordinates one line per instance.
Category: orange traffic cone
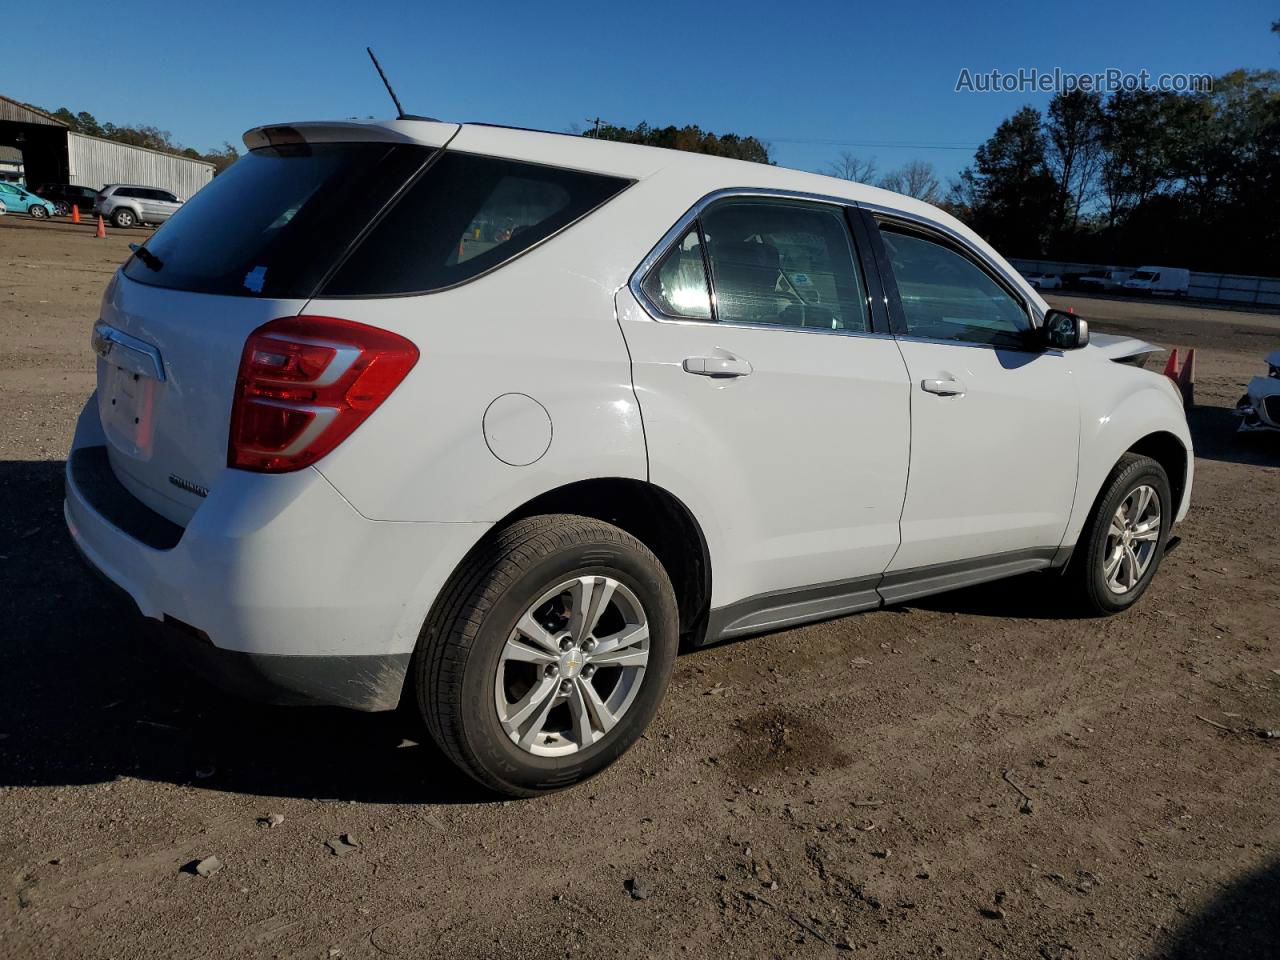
(75, 213)
(1187, 379)
(1170, 367)
(102, 229)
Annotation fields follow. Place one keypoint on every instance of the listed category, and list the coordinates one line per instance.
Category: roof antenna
(400, 114)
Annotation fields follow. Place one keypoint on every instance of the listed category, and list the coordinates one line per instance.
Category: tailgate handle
(128, 353)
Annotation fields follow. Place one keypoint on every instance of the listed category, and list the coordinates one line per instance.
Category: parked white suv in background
(127, 205)
(492, 419)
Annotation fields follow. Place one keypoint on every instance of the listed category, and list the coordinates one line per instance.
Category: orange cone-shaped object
(1170, 367)
(1187, 379)
(102, 229)
(75, 213)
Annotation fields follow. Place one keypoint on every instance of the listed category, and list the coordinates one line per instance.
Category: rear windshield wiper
(147, 257)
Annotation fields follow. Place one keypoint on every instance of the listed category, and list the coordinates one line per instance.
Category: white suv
(491, 420)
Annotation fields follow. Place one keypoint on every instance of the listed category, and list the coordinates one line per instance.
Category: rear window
(361, 220)
(276, 222)
(464, 216)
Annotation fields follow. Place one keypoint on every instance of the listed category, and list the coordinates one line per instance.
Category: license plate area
(126, 406)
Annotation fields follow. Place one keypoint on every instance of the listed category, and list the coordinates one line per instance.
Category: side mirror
(1064, 331)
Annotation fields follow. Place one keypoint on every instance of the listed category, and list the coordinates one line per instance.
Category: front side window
(678, 284)
(946, 296)
(784, 262)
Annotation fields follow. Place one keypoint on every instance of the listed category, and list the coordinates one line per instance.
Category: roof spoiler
(423, 132)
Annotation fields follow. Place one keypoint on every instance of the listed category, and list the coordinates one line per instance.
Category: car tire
(124, 217)
(1108, 573)
(38, 212)
(524, 728)
(62, 209)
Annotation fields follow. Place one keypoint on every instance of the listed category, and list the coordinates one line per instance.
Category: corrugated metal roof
(130, 146)
(10, 155)
(17, 112)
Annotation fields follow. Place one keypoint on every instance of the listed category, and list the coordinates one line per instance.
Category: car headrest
(747, 268)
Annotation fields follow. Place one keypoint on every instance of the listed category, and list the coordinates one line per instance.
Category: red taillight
(305, 383)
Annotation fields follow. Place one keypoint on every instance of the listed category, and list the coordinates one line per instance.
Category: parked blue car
(18, 198)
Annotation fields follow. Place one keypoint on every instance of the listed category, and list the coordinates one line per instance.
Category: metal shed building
(52, 153)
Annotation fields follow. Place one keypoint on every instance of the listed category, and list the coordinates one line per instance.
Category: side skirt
(785, 608)
(781, 609)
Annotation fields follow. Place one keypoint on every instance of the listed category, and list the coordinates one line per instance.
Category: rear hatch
(252, 246)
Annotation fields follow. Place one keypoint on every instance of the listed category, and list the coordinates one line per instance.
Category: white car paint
(827, 464)
(972, 493)
(807, 456)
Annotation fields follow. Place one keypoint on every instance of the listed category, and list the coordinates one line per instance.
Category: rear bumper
(277, 588)
(370, 682)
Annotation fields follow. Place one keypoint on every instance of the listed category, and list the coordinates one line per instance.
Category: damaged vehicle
(1259, 409)
(491, 422)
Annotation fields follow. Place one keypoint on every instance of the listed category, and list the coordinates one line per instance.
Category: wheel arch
(651, 514)
(1168, 451)
(655, 517)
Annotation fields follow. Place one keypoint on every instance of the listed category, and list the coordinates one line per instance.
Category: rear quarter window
(464, 216)
(278, 220)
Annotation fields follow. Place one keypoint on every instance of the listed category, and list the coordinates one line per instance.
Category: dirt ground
(852, 787)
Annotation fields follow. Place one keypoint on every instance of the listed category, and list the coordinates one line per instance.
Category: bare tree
(1074, 154)
(850, 167)
(915, 179)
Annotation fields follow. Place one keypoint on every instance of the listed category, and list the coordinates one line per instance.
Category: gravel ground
(974, 775)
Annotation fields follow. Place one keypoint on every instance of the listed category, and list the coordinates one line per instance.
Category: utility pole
(597, 121)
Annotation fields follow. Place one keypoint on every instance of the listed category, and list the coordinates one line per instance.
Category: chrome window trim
(975, 345)
(777, 327)
(681, 226)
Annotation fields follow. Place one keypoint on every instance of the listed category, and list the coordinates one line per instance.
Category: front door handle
(943, 388)
(717, 366)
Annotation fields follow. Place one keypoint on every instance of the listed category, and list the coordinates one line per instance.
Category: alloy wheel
(1132, 539)
(572, 666)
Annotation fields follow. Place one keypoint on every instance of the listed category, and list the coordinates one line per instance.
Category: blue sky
(799, 75)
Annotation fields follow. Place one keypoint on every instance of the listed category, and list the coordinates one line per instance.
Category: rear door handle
(943, 388)
(717, 366)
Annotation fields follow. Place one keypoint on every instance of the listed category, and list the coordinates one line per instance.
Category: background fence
(1223, 287)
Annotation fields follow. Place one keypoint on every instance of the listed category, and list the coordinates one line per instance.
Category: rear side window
(678, 284)
(464, 216)
(278, 220)
(786, 263)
